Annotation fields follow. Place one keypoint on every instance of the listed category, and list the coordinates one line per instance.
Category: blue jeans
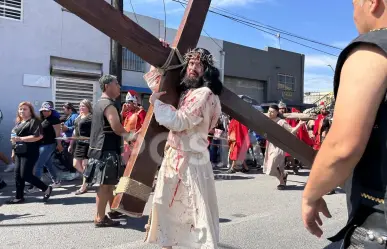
(214, 149)
(45, 160)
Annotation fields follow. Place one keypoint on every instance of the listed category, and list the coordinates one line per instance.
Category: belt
(372, 233)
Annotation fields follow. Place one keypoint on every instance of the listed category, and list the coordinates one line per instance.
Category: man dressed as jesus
(184, 208)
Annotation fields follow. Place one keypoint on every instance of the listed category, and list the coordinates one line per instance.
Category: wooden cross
(141, 167)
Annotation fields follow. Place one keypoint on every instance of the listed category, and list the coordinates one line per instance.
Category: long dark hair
(210, 77)
(70, 106)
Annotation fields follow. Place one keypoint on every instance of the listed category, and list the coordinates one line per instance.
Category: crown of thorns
(204, 55)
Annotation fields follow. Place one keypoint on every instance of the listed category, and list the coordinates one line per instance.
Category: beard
(191, 82)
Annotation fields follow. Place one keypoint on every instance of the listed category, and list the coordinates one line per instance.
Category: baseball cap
(46, 106)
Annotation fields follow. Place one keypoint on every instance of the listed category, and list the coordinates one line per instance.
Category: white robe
(185, 207)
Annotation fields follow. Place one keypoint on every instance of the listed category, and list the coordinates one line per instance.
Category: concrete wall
(47, 31)
(264, 65)
(26, 48)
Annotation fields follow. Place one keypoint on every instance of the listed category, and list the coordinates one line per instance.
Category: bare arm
(72, 141)
(112, 116)
(31, 139)
(363, 77)
(295, 129)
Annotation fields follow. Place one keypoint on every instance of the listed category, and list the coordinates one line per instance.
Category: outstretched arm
(112, 116)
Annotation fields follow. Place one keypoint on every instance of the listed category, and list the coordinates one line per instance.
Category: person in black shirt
(105, 149)
(325, 126)
(25, 137)
(48, 144)
(82, 129)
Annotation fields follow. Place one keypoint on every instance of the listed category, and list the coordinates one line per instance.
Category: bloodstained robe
(132, 122)
(184, 207)
(239, 140)
(316, 131)
(302, 133)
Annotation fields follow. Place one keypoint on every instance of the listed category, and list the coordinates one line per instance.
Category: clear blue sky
(328, 21)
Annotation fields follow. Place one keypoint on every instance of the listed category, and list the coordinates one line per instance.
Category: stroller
(254, 156)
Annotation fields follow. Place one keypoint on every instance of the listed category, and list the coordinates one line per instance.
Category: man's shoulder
(204, 92)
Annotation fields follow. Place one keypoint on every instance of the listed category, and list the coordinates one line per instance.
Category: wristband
(128, 137)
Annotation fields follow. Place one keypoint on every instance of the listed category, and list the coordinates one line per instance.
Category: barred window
(131, 61)
(286, 82)
(11, 9)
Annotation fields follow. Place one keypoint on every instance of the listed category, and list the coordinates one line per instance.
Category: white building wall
(45, 31)
(26, 47)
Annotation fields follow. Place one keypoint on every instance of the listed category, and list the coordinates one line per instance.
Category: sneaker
(10, 168)
(114, 215)
(33, 190)
(3, 184)
(106, 222)
(56, 185)
(47, 195)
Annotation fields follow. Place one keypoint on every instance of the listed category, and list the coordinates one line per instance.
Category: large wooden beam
(143, 162)
(260, 123)
(110, 21)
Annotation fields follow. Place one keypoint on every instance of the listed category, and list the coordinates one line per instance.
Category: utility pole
(116, 51)
(279, 40)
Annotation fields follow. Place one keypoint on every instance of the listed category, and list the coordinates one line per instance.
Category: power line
(135, 16)
(284, 38)
(205, 32)
(261, 28)
(213, 39)
(165, 22)
(276, 29)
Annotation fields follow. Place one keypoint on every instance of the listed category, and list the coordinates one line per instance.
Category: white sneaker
(10, 167)
(56, 185)
(32, 190)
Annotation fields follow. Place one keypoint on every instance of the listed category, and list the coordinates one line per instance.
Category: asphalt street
(253, 214)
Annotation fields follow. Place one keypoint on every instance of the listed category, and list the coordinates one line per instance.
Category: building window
(286, 82)
(131, 61)
(72, 90)
(11, 9)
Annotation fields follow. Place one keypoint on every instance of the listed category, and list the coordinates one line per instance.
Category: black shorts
(105, 171)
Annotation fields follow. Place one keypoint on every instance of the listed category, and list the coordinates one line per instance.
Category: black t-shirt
(325, 125)
(83, 126)
(48, 130)
(31, 127)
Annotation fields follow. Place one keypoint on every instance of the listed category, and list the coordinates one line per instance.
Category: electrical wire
(261, 28)
(206, 32)
(135, 16)
(284, 38)
(165, 22)
(277, 29)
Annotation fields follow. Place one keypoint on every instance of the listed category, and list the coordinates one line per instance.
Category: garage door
(255, 89)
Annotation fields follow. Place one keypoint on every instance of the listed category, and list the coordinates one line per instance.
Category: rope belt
(134, 188)
(167, 67)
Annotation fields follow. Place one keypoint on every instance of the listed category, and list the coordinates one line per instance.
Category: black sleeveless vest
(370, 174)
(102, 137)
